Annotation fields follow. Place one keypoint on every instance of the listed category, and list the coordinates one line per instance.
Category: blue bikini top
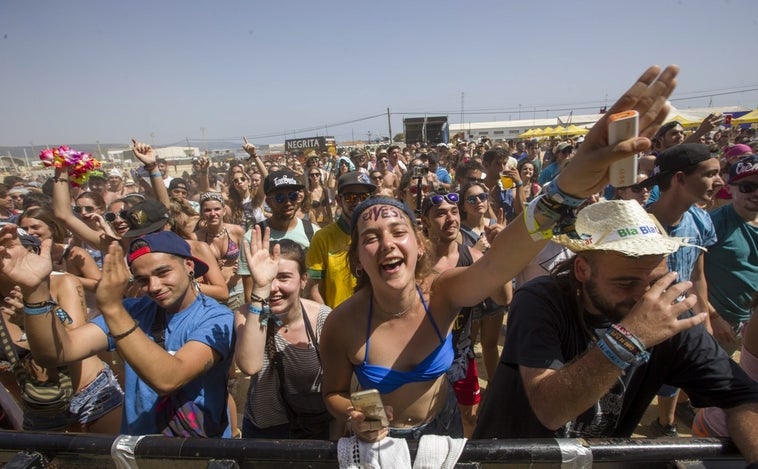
(387, 380)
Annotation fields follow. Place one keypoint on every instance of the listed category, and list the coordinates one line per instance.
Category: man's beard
(614, 312)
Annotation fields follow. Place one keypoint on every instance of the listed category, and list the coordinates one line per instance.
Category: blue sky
(84, 71)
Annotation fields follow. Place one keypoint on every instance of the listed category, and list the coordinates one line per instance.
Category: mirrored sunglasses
(353, 197)
(111, 216)
(451, 198)
(280, 198)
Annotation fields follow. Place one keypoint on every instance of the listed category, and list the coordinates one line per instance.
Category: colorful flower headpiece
(78, 163)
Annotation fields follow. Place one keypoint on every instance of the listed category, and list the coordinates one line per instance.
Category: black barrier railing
(79, 450)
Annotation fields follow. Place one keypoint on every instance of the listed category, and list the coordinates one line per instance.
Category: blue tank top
(387, 380)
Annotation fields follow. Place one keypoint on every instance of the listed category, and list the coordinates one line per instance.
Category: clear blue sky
(84, 71)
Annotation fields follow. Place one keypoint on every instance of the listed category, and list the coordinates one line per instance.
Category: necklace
(395, 315)
(217, 235)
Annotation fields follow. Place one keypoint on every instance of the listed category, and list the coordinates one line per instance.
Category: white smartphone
(370, 403)
(622, 126)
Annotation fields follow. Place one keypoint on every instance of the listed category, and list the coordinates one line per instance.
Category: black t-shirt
(544, 332)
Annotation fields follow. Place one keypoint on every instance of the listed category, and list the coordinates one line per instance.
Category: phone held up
(623, 126)
(370, 403)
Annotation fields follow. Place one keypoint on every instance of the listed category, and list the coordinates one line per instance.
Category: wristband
(518, 184)
(57, 179)
(124, 334)
(151, 166)
(258, 299)
(625, 334)
(254, 310)
(34, 309)
(555, 193)
(156, 175)
(537, 232)
(611, 355)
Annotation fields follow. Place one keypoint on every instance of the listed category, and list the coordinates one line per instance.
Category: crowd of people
(318, 275)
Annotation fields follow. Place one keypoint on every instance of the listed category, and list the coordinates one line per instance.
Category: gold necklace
(217, 235)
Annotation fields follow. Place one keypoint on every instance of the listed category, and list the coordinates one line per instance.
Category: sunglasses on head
(414, 189)
(474, 199)
(280, 198)
(84, 209)
(352, 197)
(451, 198)
(747, 187)
(111, 216)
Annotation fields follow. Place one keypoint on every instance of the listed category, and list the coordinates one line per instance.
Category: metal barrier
(20, 450)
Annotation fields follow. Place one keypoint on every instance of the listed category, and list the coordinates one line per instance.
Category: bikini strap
(368, 327)
(428, 314)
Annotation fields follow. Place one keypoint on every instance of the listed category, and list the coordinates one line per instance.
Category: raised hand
(21, 266)
(143, 152)
(587, 172)
(264, 266)
(114, 281)
(248, 147)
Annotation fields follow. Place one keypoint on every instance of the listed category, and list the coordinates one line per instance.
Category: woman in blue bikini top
(400, 353)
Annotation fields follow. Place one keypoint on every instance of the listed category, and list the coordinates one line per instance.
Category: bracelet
(518, 184)
(58, 179)
(537, 232)
(151, 166)
(611, 355)
(47, 302)
(156, 175)
(124, 334)
(639, 345)
(258, 299)
(561, 197)
(254, 310)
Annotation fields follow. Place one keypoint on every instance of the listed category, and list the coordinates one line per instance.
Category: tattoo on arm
(80, 292)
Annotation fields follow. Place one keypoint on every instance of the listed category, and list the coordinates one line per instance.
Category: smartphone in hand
(370, 403)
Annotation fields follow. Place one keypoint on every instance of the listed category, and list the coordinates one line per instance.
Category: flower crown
(78, 163)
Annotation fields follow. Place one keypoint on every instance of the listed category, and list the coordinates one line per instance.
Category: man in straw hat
(587, 348)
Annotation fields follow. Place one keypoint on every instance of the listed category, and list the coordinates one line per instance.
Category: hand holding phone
(623, 126)
(369, 402)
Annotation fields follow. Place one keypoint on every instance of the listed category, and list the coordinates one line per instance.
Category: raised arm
(251, 323)
(64, 213)
(146, 155)
(587, 173)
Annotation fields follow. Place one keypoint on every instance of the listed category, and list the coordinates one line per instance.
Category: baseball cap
(677, 158)
(146, 217)
(737, 152)
(563, 146)
(114, 173)
(746, 167)
(281, 179)
(665, 128)
(355, 178)
(166, 242)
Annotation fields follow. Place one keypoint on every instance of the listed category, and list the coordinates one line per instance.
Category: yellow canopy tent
(537, 133)
(528, 133)
(550, 131)
(749, 118)
(573, 130)
(685, 121)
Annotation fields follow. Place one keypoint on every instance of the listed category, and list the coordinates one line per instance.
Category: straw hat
(622, 226)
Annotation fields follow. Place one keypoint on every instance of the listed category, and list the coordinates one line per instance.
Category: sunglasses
(414, 189)
(239, 180)
(110, 217)
(474, 199)
(451, 198)
(353, 197)
(747, 187)
(84, 209)
(314, 175)
(292, 196)
(638, 189)
(377, 176)
(472, 179)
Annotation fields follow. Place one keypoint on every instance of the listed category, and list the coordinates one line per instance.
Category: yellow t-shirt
(327, 261)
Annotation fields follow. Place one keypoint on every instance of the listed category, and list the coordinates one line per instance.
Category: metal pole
(389, 125)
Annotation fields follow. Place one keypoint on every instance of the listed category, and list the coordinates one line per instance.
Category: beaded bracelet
(117, 337)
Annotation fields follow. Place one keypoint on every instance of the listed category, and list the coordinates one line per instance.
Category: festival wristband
(611, 355)
(555, 193)
(636, 340)
(155, 175)
(34, 309)
(537, 232)
(254, 310)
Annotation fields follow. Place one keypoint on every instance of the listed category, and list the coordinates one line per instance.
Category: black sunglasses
(110, 217)
(474, 199)
(292, 196)
(84, 209)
